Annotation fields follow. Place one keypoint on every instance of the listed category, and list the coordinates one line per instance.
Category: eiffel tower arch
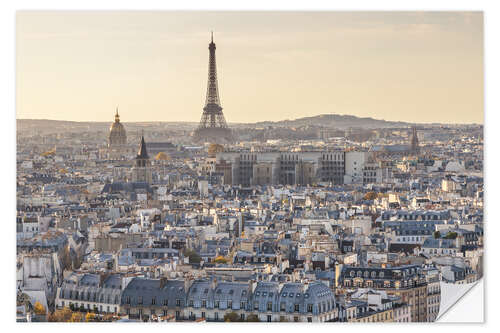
(212, 127)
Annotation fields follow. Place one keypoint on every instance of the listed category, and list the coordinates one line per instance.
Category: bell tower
(141, 172)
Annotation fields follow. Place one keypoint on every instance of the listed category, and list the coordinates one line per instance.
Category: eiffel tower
(212, 127)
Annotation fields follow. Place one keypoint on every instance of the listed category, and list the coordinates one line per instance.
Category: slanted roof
(143, 153)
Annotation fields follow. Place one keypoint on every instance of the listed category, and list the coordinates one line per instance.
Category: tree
(451, 235)
(194, 258)
(232, 317)
(221, 260)
(90, 316)
(370, 196)
(39, 308)
(76, 317)
(61, 315)
(253, 318)
(437, 234)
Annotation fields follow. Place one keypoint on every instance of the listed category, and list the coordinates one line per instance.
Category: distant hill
(335, 121)
(324, 120)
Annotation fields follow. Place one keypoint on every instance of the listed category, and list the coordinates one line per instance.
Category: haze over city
(401, 66)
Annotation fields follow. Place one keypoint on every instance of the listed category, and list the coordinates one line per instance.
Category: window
(178, 302)
(269, 306)
(242, 305)
(191, 303)
(216, 316)
(139, 300)
(216, 304)
(282, 306)
(128, 300)
(296, 308)
(309, 308)
(242, 316)
(153, 301)
(269, 318)
(165, 302)
(204, 303)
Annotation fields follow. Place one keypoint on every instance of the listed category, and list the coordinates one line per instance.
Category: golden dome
(161, 156)
(215, 148)
(117, 134)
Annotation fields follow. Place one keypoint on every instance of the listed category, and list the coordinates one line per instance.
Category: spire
(117, 116)
(143, 152)
(212, 37)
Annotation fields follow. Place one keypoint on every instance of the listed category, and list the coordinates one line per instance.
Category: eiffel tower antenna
(212, 127)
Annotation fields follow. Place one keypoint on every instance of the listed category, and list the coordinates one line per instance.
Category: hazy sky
(409, 66)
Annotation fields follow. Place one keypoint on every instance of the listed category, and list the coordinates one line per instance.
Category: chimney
(188, 282)
(163, 282)
(253, 285)
(213, 283)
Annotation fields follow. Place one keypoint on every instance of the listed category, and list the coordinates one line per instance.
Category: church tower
(414, 148)
(141, 172)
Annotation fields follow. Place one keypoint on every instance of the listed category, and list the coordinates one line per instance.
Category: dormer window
(284, 294)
